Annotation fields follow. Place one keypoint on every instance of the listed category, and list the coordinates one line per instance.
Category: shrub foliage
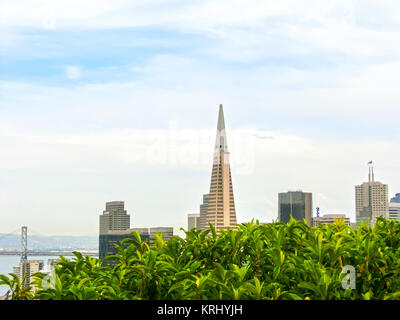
(273, 261)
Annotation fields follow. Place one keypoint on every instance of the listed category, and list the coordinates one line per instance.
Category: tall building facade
(108, 241)
(203, 212)
(167, 233)
(28, 268)
(297, 204)
(371, 200)
(114, 218)
(221, 212)
(194, 221)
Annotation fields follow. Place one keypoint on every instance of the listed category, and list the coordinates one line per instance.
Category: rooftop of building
(194, 215)
(295, 191)
(142, 230)
(115, 202)
(332, 215)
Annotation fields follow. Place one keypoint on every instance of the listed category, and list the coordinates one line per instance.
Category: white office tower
(371, 200)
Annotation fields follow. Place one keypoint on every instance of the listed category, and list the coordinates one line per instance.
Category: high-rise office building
(394, 211)
(371, 200)
(396, 199)
(114, 217)
(28, 268)
(330, 218)
(221, 212)
(108, 241)
(194, 221)
(167, 233)
(203, 212)
(297, 204)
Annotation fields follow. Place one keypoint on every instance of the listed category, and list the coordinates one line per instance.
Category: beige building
(330, 218)
(371, 200)
(28, 267)
(167, 233)
(114, 218)
(193, 221)
(221, 212)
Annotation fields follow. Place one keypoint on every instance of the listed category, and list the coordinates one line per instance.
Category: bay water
(8, 262)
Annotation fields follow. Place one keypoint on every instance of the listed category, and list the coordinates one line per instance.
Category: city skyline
(121, 203)
(115, 101)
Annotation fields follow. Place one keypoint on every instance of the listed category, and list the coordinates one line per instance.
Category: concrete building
(167, 232)
(114, 217)
(193, 221)
(371, 200)
(394, 211)
(297, 204)
(203, 212)
(330, 218)
(221, 212)
(113, 228)
(28, 267)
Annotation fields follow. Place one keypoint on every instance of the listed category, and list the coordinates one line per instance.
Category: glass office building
(297, 204)
(108, 241)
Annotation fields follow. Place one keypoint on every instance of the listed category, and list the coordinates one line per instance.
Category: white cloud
(212, 16)
(199, 14)
(165, 83)
(73, 72)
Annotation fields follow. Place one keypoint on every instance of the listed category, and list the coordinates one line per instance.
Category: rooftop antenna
(370, 172)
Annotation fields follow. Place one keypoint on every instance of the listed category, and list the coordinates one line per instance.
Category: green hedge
(273, 261)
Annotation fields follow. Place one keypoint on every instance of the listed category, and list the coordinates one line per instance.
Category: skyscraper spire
(221, 144)
(370, 172)
(221, 210)
(221, 120)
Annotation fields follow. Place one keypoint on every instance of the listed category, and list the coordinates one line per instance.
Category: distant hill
(35, 242)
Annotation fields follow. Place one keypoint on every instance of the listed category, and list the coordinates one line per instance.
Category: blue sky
(89, 92)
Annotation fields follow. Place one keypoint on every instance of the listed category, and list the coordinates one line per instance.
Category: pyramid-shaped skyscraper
(221, 211)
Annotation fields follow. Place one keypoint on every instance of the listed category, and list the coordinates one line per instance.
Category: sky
(118, 100)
